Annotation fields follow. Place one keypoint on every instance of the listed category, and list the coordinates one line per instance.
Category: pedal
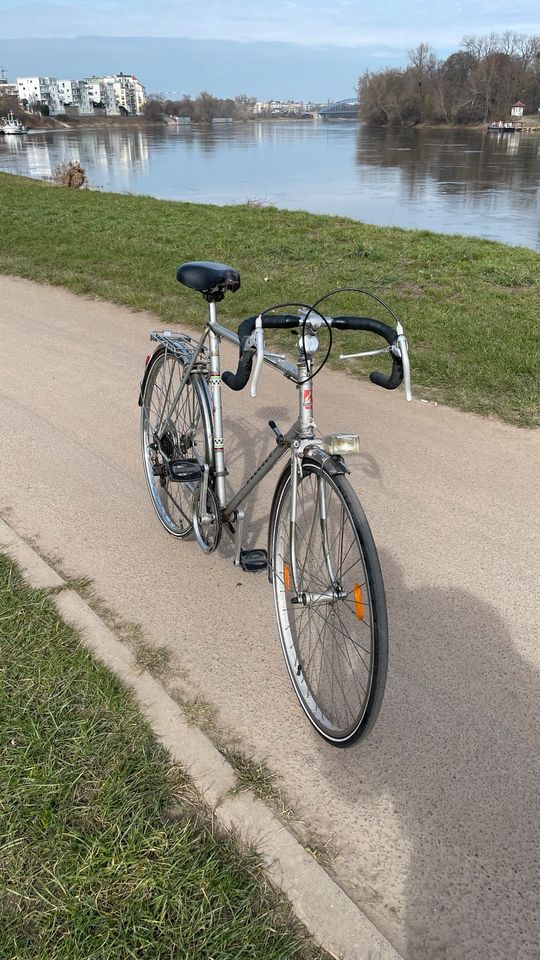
(253, 560)
(185, 471)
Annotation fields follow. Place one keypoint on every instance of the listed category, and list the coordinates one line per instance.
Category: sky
(296, 48)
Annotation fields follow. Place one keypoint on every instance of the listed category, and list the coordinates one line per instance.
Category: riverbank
(528, 121)
(65, 122)
(469, 306)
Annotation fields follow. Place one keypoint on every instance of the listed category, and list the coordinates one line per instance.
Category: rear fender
(146, 371)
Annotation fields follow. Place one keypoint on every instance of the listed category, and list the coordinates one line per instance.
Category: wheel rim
(328, 640)
(171, 431)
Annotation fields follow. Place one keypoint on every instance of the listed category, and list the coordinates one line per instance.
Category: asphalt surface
(433, 820)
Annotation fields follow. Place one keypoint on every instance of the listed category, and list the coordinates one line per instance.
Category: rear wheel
(330, 603)
(173, 427)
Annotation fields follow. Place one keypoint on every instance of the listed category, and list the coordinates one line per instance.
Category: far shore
(93, 123)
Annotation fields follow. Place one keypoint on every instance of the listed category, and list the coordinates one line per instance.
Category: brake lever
(403, 347)
(259, 348)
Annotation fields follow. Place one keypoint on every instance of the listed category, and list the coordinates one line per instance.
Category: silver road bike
(320, 556)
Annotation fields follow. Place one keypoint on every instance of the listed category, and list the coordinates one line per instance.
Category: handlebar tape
(391, 381)
(369, 324)
(395, 377)
(238, 380)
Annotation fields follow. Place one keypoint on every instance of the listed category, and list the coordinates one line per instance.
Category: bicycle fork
(318, 526)
(307, 433)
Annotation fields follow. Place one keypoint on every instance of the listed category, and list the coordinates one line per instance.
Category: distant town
(122, 94)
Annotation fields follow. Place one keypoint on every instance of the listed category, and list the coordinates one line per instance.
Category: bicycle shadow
(454, 758)
(248, 442)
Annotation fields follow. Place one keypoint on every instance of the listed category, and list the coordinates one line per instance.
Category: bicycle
(321, 558)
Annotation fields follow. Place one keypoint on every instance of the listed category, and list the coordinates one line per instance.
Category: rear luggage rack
(180, 345)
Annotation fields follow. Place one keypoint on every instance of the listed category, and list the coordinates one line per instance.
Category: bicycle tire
(326, 642)
(188, 435)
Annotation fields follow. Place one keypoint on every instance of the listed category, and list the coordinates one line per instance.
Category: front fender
(331, 462)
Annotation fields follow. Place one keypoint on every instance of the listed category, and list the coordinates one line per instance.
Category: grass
(256, 776)
(198, 712)
(251, 774)
(106, 850)
(470, 307)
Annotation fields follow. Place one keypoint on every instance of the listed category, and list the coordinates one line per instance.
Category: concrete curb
(332, 918)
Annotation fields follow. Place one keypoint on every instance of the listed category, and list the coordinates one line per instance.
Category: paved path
(434, 819)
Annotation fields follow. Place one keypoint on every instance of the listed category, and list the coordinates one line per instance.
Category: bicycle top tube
(288, 369)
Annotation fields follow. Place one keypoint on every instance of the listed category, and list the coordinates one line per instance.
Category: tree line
(477, 84)
(202, 109)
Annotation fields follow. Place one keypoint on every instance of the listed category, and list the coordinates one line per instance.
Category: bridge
(341, 110)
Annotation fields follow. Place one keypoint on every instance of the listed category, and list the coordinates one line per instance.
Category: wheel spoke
(173, 426)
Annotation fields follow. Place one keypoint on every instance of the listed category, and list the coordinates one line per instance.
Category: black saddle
(210, 279)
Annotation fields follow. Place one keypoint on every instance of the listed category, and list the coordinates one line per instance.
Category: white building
(129, 92)
(37, 90)
(114, 93)
(284, 106)
(517, 109)
(7, 89)
(99, 90)
(70, 93)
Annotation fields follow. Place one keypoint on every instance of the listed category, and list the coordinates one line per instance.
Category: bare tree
(476, 84)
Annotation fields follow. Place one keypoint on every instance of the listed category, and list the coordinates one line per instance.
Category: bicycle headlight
(341, 443)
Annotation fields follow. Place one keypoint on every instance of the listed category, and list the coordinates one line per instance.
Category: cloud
(397, 24)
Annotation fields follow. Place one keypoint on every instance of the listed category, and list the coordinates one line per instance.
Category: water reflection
(457, 160)
(100, 152)
(457, 181)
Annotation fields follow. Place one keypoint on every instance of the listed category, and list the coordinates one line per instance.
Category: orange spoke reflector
(358, 601)
(287, 576)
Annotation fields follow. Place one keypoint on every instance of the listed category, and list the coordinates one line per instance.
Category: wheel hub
(168, 442)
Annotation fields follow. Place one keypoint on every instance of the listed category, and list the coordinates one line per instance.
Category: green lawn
(469, 307)
(105, 851)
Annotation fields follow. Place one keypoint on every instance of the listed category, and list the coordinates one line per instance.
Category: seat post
(215, 390)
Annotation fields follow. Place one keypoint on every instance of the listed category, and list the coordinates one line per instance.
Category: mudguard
(145, 374)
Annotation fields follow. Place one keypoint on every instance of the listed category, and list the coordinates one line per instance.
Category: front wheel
(330, 603)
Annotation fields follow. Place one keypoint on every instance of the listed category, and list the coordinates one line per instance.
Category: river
(453, 181)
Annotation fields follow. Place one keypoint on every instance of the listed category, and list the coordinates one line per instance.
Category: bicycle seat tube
(215, 392)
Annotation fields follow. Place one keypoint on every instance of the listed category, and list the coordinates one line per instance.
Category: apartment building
(116, 93)
(99, 90)
(39, 90)
(70, 92)
(129, 92)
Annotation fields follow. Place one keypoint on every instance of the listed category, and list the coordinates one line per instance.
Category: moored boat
(504, 128)
(10, 125)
